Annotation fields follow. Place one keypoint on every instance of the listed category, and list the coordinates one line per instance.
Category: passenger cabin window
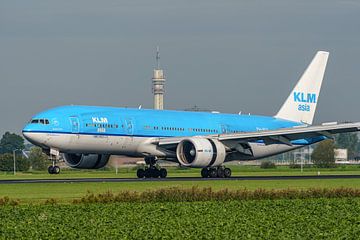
(98, 125)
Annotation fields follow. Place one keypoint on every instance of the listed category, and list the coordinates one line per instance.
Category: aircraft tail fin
(301, 104)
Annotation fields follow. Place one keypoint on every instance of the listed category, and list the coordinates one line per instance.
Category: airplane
(87, 136)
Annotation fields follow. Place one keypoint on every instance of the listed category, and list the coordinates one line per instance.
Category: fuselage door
(75, 124)
(224, 128)
(129, 126)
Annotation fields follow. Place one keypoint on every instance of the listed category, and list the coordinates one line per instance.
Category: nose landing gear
(216, 172)
(151, 171)
(53, 169)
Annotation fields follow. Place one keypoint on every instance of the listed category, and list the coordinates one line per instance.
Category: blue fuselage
(112, 121)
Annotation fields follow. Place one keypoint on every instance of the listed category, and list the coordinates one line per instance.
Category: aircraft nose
(27, 133)
(31, 136)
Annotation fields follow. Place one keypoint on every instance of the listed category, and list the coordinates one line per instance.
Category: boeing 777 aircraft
(88, 135)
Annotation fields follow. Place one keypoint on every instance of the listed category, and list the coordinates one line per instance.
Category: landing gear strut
(151, 171)
(216, 172)
(53, 169)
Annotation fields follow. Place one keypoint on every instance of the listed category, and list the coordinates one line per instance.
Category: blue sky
(228, 56)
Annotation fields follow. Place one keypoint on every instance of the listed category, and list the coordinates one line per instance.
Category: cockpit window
(40, 121)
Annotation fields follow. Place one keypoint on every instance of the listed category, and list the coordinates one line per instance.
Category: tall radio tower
(158, 81)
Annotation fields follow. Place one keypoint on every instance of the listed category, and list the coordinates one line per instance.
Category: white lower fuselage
(131, 146)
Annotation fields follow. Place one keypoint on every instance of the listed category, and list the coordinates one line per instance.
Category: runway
(169, 179)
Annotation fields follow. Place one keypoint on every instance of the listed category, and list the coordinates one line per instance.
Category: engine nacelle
(200, 152)
(90, 161)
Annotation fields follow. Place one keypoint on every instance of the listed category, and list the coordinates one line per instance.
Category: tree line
(323, 155)
(11, 142)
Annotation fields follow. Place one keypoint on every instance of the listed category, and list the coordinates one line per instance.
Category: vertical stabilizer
(301, 104)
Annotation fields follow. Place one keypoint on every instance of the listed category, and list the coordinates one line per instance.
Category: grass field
(237, 170)
(312, 218)
(65, 192)
(261, 219)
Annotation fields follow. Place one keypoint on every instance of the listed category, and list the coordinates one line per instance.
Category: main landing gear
(151, 171)
(216, 172)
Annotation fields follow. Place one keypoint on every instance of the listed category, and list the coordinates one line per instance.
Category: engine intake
(82, 161)
(200, 152)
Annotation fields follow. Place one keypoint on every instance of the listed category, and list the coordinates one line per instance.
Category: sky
(227, 56)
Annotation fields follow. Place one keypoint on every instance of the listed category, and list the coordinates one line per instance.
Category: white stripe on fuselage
(81, 143)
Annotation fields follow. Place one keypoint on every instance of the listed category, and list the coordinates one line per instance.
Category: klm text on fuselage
(305, 99)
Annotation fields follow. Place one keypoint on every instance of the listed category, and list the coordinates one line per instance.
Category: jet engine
(86, 161)
(200, 152)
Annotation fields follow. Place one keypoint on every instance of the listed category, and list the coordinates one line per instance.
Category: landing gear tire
(56, 169)
(216, 172)
(53, 169)
(227, 172)
(151, 171)
(213, 173)
(205, 173)
(155, 173)
(140, 173)
(50, 169)
(147, 173)
(163, 173)
(220, 173)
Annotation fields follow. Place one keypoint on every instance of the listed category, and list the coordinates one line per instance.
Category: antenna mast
(158, 58)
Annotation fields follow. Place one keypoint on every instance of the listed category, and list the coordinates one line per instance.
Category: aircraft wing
(284, 135)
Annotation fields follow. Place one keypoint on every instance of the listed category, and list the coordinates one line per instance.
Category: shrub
(298, 165)
(207, 194)
(7, 163)
(38, 159)
(7, 201)
(323, 155)
(51, 201)
(267, 164)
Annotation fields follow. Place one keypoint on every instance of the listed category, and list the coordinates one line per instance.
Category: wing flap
(295, 133)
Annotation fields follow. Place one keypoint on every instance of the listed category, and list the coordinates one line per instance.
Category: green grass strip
(196, 194)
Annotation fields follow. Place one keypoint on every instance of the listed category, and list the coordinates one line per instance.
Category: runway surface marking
(80, 180)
